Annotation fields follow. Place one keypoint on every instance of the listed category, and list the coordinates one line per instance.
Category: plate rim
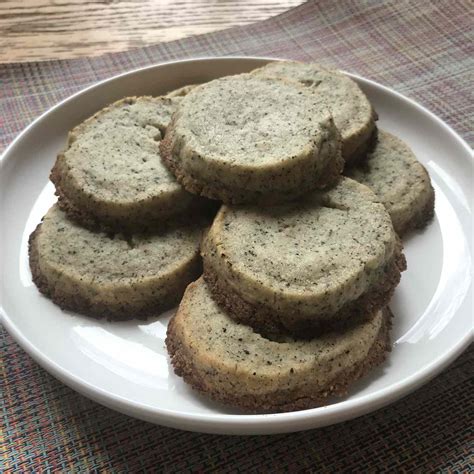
(221, 422)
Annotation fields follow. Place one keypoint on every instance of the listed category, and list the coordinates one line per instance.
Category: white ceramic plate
(125, 366)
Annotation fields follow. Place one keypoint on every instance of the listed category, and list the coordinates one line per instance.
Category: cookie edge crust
(329, 177)
(82, 305)
(181, 91)
(93, 213)
(422, 217)
(361, 153)
(424, 206)
(266, 320)
(195, 209)
(356, 148)
(183, 366)
(356, 145)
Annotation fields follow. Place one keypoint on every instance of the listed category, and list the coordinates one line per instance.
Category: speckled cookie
(326, 261)
(231, 363)
(400, 181)
(353, 114)
(111, 173)
(116, 277)
(252, 139)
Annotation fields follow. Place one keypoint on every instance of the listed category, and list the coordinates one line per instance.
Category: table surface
(36, 30)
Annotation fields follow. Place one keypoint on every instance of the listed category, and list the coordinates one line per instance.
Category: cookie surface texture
(245, 138)
(353, 114)
(111, 172)
(115, 277)
(328, 259)
(231, 363)
(399, 180)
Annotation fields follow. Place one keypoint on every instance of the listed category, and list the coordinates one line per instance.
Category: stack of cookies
(120, 242)
(301, 260)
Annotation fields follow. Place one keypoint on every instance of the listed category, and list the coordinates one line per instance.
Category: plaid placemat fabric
(422, 49)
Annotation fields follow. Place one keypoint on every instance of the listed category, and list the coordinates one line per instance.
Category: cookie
(231, 363)
(326, 261)
(400, 181)
(252, 139)
(111, 173)
(353, 114)
(118, 277)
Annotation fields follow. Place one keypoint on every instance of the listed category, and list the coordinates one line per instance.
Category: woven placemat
(422, 49)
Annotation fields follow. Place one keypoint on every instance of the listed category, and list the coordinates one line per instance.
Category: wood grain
(32, 30)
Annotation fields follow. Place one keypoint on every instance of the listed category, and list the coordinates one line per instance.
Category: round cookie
(111, 173)
(116, 277)
(231, 363)
(353, 114)
(399, 180)
(246, 139)
(326, 261)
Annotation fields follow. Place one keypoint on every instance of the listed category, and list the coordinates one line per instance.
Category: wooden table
(34, 30)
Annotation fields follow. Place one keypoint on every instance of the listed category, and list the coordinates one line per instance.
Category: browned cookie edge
(197, 208)
(362, 151)
(421, 219)
(266, 320)
(77, 303)
(182, 362)
(75, 213)
(329, 177)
